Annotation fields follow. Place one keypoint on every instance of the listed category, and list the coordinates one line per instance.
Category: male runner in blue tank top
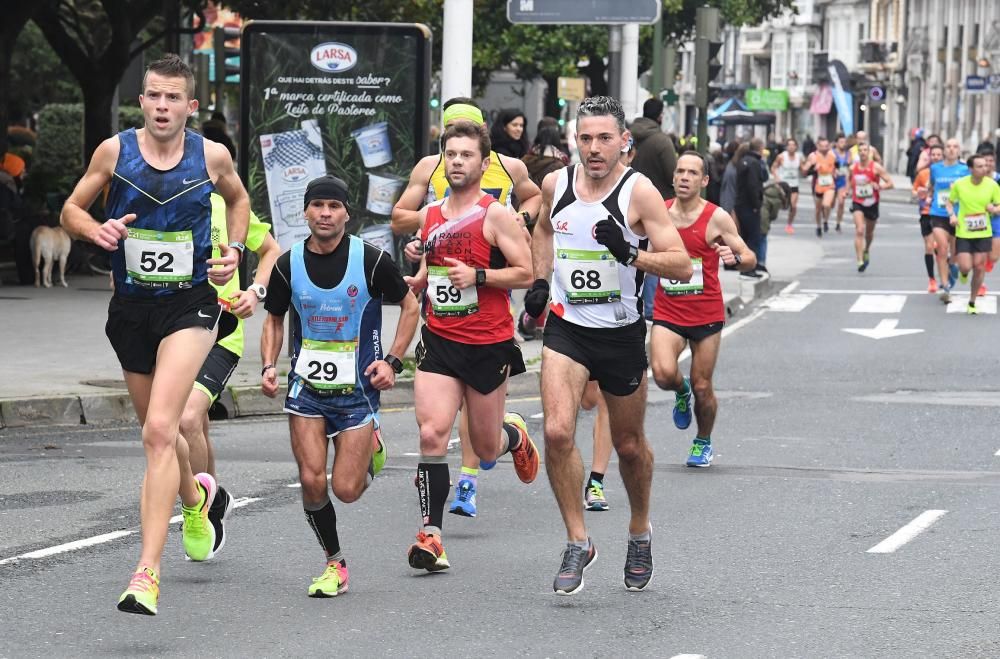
(336, 283)
(164, 315)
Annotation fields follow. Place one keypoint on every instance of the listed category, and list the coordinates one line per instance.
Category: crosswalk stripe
(793, 303)
(881, 304)
(985, 305)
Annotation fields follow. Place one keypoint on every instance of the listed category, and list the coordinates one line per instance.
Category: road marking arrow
(886, 329)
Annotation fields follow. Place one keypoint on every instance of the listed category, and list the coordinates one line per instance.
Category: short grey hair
(602, 106)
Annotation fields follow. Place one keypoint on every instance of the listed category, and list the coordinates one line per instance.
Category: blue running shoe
(700, 454)
(464, 503)
(486, 466)
(952, 275)
(682, 407)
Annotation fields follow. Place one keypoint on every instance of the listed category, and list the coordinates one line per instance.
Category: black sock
(432, 487)
(929, 264)
(513, 436)
(594, 476)
(323, 522)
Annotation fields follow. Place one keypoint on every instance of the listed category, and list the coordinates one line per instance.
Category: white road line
(99, 539)
(986, 305)
(862, 291)
(790, 288)
(538, 415)
(923, 522)
(997, 453)
(688, 656)
(883, 304)
(790, 303)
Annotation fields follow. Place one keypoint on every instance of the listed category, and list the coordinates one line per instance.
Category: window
(778, 64)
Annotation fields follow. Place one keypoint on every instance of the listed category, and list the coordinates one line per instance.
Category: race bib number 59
(159, 259)
(446, 298)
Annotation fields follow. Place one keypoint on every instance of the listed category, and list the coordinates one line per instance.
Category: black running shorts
(869, 212)
(942, 223)
(484, 367)
(136, 326)
(615, 356)
(693, 333)
(215, 372)
(974, 245)
(925, 225)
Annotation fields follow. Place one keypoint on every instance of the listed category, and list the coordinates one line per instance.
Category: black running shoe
(638, 565)
(575, 560)
(222, 506)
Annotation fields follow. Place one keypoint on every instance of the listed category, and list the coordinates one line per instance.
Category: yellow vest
(496, 181)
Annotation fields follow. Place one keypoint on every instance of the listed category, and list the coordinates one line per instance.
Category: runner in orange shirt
(920, 184)
(824, 165)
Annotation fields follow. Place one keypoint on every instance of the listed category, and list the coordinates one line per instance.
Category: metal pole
(706, 30)
(614, 59)
(456, 49)
(656, 85)
(629, 80)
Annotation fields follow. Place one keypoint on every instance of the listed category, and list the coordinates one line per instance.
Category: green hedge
(58, 153)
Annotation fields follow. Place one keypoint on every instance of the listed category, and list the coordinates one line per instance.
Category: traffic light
(435, 102)
(226, 42)
(818, 68)
(708, 43)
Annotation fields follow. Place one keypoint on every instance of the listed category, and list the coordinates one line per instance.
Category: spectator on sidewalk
(716, 167)
(775, 198)
(546, 154)
(750, 177)
(655, 158)
(508, 135)
(217, 130)
(727, 193)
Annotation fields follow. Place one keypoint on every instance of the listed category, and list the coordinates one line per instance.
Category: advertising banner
(347, 99)
(767, 99)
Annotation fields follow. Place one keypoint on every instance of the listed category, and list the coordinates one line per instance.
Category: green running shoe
(198, 532)
(379, 453)
(971, 310)
(332, 582)
(142, 593)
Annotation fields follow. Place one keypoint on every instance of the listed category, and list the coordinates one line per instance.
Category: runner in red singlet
(692, 312)
(473, 254)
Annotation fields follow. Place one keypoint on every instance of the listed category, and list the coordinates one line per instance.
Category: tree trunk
(15, 17)
(552, 108)
(596, 72)
(98, 96)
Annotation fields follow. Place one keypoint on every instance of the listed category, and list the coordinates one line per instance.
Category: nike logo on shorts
(201, 315)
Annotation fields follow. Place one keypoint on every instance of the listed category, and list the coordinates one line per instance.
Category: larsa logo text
(333, 57)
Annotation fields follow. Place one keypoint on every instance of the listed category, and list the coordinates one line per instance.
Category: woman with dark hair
(546, 155)
(507, 134)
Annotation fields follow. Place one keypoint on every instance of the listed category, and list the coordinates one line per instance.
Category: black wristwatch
(480, 277)
(633, 254)
(736, 257)
(394, 363)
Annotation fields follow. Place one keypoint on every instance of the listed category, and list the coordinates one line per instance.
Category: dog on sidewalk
(51, 244)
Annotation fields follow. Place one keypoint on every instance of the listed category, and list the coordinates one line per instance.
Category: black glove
(536, 298)
(608, 233)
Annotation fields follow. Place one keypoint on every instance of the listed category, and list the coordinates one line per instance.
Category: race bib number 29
(159, 259)
(327, 365)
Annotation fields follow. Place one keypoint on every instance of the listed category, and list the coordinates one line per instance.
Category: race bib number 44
(865, 190)
(588, 276)
(159, 259)
(328, 365)
(446, 298)
(696, 286)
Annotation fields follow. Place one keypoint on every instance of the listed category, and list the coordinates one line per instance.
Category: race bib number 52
(159, 259)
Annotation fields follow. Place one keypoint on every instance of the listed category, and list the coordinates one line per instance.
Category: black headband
(326, 187)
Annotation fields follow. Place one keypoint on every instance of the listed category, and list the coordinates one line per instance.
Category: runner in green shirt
(224, 357)
(978, 197)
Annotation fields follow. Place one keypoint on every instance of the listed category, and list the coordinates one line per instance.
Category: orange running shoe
(989, 265)
(982, 291)
(932, 285)
(427, 553)
(789, 229)
(525, 455)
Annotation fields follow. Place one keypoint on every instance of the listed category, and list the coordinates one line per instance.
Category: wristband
(527, 217)
(266, 369)
(239, 247)
(737, 258)
(633, 254)
(394, 363)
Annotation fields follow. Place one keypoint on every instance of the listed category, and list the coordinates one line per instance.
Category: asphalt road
(828, 443)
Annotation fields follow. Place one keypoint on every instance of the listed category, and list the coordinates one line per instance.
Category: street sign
(669, 96)
(587, 12)
(975, 84)
(994, 83)
(876, 93)
(767, 99)
(572, 89)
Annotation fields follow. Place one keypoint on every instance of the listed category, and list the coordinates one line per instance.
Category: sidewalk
(58, 367)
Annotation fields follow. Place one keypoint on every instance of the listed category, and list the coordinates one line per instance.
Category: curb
(248, 401)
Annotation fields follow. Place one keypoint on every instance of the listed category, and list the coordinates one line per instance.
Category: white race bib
(824, 180)
(864, 191)
(942, 198)
(159, 259)
(588, 276)
(696, 286)
(447, 299)
(328, 365)
(975, 222)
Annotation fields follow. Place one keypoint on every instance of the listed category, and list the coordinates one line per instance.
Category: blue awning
(731, 103)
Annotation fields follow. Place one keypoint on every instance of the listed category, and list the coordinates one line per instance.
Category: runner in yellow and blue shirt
(978, 197)
(224, 357)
